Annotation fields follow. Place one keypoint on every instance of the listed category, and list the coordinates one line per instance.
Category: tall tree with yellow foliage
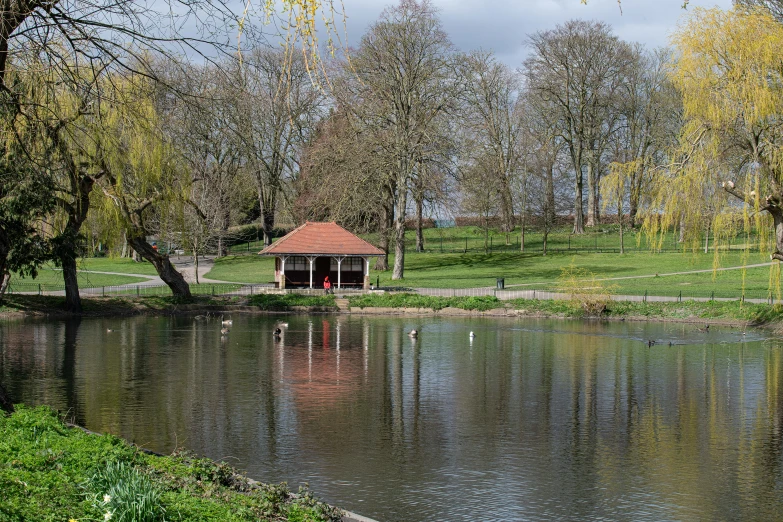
(729, 73)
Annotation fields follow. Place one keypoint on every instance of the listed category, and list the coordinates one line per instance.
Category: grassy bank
(108, 306)
(288, 301)
(720, 310)
(406, 300)
(49, 472)
(159, 304)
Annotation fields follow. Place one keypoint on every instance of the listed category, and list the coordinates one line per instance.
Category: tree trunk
(579, 220)
(419, 219)
(267, 204)
(682, 230)
(506, 205)
(707, 239)
(73, 301)
(590, 194)
(267, 224)
(546, 236)
(633, 204)
(5, 401)
(195, 262)
(5, 250)
(620, 221)
(399, 231)
(5, 283)
(224, 224)
(386, 223)
(179, 287)
(777, 216)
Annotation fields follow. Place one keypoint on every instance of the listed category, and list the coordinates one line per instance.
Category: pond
(529, 420)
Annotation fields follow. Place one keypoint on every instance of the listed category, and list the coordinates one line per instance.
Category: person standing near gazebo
(327, 285)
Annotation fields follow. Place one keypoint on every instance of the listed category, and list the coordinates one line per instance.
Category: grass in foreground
(49, 472)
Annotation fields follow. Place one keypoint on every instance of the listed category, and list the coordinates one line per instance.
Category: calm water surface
(532, 420)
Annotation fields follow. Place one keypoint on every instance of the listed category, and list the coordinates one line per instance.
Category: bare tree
(277, 113)
(404, 79)
(650, 117)
(578, 67)
(494, 116)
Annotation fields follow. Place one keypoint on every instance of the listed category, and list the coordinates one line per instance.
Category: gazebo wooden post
(311, 259)
(339, 270)
(281, 282)
(366, 285)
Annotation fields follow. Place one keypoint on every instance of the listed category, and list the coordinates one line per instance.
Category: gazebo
(312, 251)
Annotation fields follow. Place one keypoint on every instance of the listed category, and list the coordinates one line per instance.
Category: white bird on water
(413, 334)
(226, 322)
(472, 335)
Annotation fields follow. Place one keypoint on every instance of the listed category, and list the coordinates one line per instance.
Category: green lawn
(117, 264)
(727, 283)
(245, 269)
(476, 270)
(53, 280)
(434, 270)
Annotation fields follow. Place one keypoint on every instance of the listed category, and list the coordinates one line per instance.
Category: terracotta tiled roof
(321, 239)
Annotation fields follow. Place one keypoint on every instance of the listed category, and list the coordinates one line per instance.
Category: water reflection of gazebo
(310, 252)
(326, 370)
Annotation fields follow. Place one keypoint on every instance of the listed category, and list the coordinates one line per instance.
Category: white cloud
(503, 26)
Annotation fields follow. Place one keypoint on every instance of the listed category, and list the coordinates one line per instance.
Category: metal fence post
(103, 291)
(137, 290)
(712, 296)
(645, 296)
(39, 288)
(679, 297)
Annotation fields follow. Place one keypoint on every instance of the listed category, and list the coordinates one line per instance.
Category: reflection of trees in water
(67, 370)
(595, 421)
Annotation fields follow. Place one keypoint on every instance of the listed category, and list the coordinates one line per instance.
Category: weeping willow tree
(143, 178)
(726, 173)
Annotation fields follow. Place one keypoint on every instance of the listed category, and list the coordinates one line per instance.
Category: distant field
(603, 238)
(434, 270)
(474, 270)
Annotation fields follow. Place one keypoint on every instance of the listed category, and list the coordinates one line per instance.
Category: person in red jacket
(327, 285)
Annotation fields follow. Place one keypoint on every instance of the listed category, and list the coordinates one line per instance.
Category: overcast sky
(502, 26)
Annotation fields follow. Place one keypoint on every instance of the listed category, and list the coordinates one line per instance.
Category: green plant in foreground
(125, 495)
(49, 472)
